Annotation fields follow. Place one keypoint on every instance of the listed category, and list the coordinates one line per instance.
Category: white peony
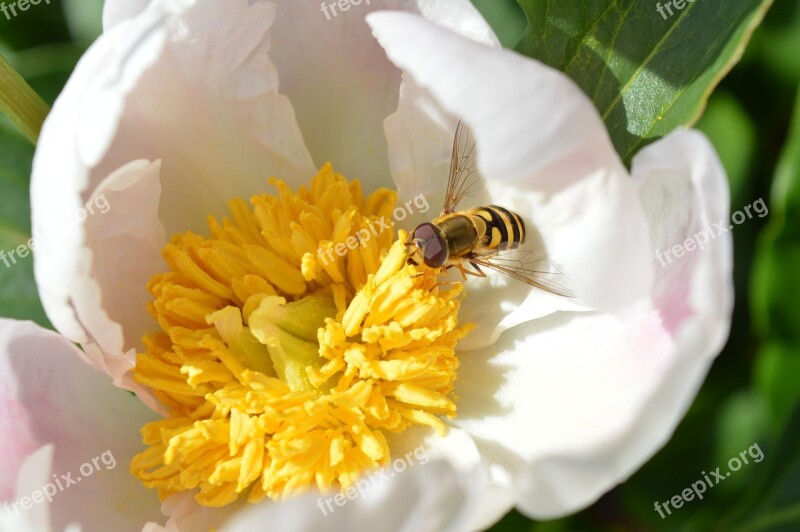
(183, 104)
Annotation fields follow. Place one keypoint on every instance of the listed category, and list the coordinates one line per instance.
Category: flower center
(292, 341)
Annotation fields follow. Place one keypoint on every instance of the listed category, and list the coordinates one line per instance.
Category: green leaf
(84, 18)
(775, 288)
(740, 422)
(20, 103)
(18, 296)
(39, 24)
(773, 502)
(779, 44)
(505, 18)
(47, 69)
(647, 74)
(776, 372)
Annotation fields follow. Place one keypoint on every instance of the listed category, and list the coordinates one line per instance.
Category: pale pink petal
(22, 512)
(49, 396)
(574, 403)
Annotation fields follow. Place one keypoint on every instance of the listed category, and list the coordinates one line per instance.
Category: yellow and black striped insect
(489, 236)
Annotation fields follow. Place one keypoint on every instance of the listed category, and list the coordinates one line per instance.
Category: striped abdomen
(500, 226)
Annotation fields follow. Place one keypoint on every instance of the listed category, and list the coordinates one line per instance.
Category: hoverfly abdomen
(502, 227)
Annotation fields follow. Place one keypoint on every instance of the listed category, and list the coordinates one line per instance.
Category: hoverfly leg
(477, 273)
(440, 284)
(464, 272)
(461, 270)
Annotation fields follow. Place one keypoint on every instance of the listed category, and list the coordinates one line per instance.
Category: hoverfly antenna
(412, 247)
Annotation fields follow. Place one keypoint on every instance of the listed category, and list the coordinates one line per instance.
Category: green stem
(20, 102)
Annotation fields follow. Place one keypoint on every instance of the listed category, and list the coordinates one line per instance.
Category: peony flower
(263, 371)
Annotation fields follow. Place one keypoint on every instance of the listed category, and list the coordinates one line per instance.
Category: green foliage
(772, 502)
(777, 48)
(37, 44)
(646, 73)
(505, 17)
(730, 128)
(18, 295)
(775, 289)
(20, 103)
(37, 25)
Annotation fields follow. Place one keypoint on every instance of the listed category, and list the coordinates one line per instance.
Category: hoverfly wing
(529, 267)
(463, 169)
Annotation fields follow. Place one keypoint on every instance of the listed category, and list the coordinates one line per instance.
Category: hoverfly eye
(435, 253)
(434, 249)
(425, 232)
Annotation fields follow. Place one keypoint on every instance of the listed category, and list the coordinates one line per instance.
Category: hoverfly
(489, 236)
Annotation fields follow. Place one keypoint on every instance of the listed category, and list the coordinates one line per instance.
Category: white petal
(115, 11)
(542, 147)
(60, 178)
(336, 75)
(187, 83)
(431, 497)
(339, 80)
(420, 132)
(49, 395)
(209, 107)
(123, 242)
(574, 403)
(459, 449)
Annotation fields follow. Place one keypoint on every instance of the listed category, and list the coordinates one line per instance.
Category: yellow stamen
(285, 361)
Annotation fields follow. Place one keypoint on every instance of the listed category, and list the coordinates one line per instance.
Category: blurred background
(751, 395)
